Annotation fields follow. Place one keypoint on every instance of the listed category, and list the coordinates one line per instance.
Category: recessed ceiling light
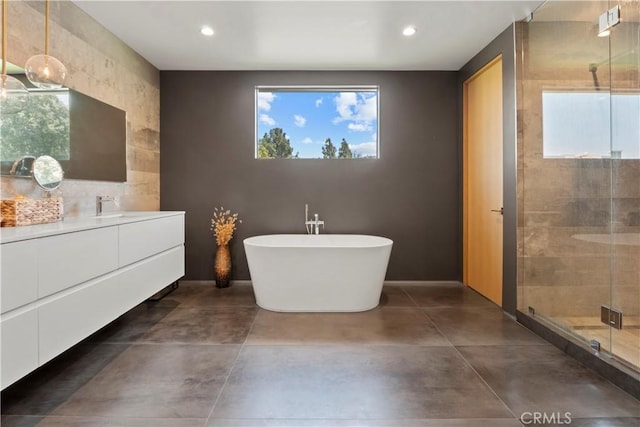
(206, 30)
(409, 31)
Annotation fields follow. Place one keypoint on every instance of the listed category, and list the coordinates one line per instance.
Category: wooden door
(482, 181)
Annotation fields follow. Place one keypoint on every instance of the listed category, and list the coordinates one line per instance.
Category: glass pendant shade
(13, 95)
(45, 72)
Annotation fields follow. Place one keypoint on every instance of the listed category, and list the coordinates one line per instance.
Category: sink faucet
(314, 224)
(100, 200)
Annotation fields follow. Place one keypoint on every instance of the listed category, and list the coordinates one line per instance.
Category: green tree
(345, 151)
(264, 149)
(275, 144)
(40, 129)
(328, 150)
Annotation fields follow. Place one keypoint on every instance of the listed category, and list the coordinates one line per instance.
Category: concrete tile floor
(428, 356)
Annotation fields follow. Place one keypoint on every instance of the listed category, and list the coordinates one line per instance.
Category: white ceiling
(307, 35)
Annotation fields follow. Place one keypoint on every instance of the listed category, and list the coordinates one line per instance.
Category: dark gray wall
(503, 44)
(411, 194)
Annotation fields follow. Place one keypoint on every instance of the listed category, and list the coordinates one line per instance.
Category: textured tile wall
(103, 67)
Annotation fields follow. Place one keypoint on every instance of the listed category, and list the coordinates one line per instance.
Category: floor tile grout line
(410, 297)
(470, 366)
(171, 343)
(426, 315)
(233, 365)
(486, 383)
(98, 417)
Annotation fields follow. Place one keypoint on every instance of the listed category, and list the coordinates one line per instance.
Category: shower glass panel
(625, 182)
(579, 174)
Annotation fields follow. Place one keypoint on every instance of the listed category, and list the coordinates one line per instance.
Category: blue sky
(309, 118)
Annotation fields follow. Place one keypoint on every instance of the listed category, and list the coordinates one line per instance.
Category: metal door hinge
(608, 20)
(611, 317)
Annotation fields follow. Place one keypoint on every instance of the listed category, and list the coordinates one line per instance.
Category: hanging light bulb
(13, 94)
(44, 71)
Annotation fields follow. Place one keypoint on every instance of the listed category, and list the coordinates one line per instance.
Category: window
(317, 122)
(591, 125)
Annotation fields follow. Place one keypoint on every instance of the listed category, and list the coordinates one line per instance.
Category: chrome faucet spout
(101, 200)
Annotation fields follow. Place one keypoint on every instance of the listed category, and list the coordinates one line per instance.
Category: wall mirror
(47, 173)
(87, 136)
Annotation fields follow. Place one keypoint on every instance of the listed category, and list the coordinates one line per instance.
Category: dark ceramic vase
(222, 266)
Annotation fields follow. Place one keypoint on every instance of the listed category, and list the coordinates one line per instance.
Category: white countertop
(70, 225)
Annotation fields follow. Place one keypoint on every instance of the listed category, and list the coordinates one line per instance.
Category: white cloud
(299, 120)
(264, 100)
(364, 149)
(359, 109)
(318, 102)
(344, 104)
(374, 136)
(307, 140)
(264, 118)
(367, 108)
(359, 127)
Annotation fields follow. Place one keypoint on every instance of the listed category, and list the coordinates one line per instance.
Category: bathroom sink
(127, 214)
(110, 215)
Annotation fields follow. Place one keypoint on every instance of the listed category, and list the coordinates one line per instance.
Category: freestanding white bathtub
(326, 272)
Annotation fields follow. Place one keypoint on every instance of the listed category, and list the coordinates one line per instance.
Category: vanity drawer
(139, 240)
(19, 340)
(67, 320)
(69, 259)
(18, 274)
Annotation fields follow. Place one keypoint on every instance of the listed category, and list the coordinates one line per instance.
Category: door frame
(504, 44)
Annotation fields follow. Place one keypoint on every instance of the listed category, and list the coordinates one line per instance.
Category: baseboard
(386, 282)
(213, 282)
(420, 282)
(241, 282)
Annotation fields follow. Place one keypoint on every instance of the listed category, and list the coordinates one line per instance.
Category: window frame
(320, 89)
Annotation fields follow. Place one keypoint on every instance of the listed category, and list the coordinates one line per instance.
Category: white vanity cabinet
(72, 258)
(63, 282)
(18, 274)
(19, 319)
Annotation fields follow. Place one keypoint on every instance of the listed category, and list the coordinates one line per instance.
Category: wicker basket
(15, 212)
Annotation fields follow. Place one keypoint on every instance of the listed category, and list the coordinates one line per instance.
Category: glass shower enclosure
(579, 173)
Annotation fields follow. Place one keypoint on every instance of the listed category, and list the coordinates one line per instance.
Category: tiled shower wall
(560, 275)
(103, 67)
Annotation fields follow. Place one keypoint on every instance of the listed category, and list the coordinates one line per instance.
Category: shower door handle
(501, 210)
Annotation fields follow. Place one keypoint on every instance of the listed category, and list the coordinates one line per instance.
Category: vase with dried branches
(223, 224)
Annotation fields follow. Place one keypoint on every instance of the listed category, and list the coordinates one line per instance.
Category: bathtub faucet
(312, 226)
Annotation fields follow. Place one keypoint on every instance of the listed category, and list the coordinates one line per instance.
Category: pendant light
(45, 71)
(13, 94)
